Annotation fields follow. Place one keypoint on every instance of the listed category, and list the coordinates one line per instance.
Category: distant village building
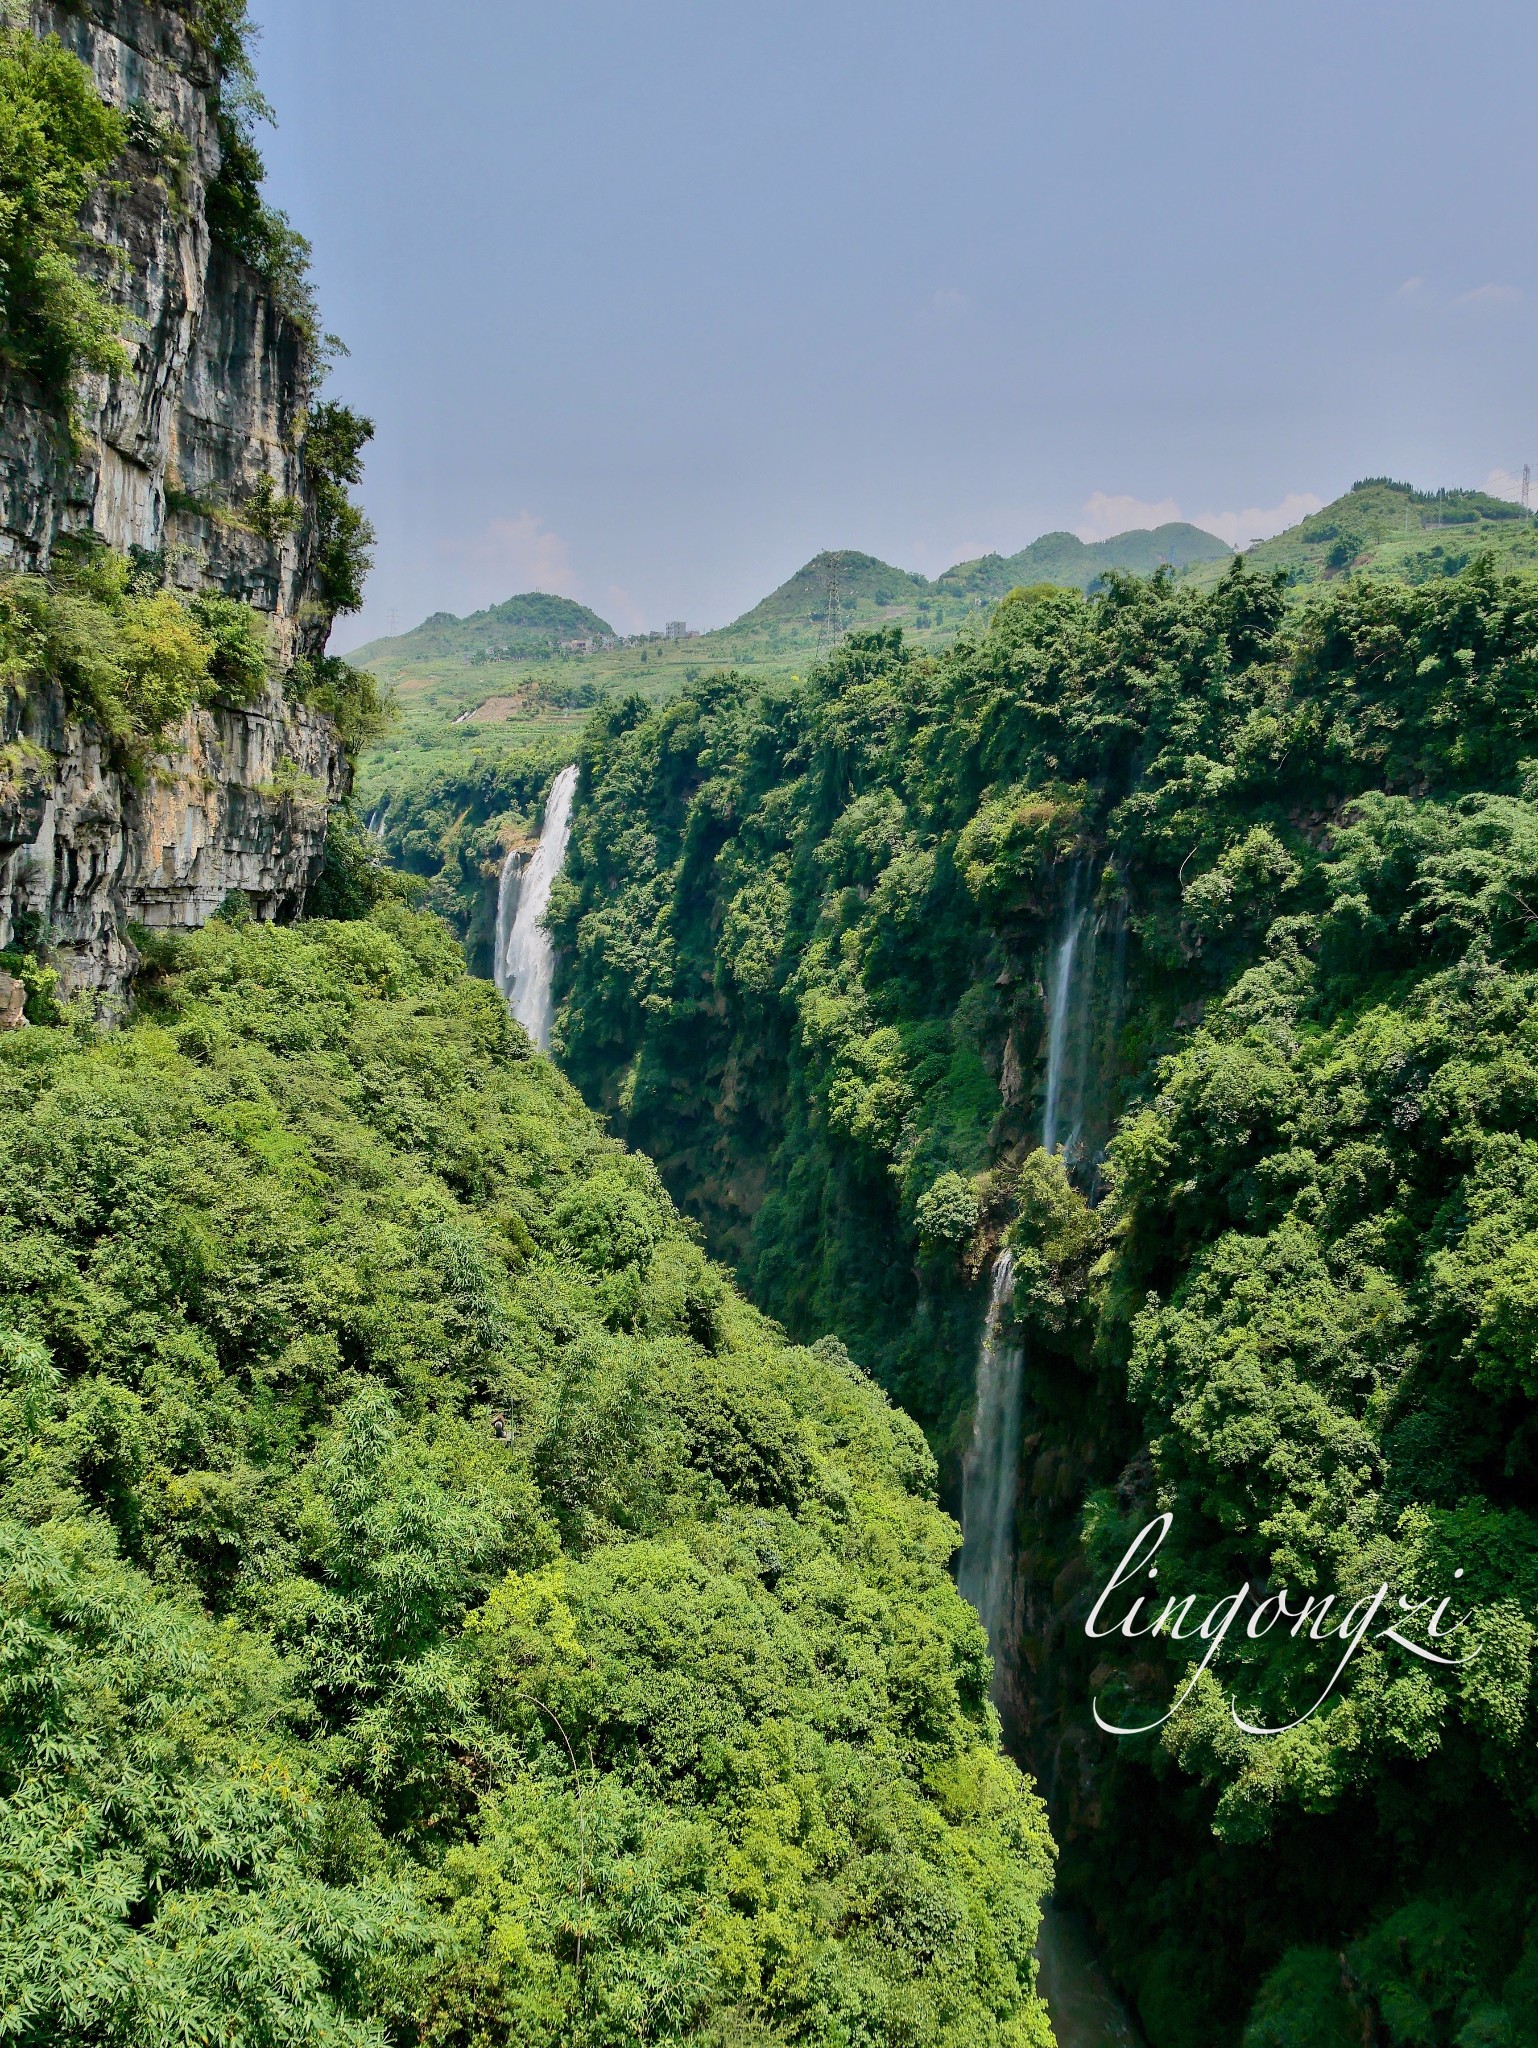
(675, 629)
(592, 643)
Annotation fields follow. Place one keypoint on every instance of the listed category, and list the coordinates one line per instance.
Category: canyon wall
(182, 459)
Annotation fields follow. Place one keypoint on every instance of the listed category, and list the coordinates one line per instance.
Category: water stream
(1070, 1002)
(990, 1472)
(507, 902)
(523, 958)
(1086, 2011)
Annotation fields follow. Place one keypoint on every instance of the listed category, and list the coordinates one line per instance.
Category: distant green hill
(530, 626)
(506, 676)
(828, 595)
(1065, 559)
(843, 589)
(469, 689)
(1383, 528)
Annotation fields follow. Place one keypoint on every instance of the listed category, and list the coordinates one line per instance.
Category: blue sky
(651, 301)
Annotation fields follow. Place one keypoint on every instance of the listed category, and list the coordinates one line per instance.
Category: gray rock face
(85, 852)
(176, 455)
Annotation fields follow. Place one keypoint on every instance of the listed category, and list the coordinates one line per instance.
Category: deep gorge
(478, 1530)
(815, 941)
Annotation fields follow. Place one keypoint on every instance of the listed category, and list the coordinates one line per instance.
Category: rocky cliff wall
(182, 457)
(240, 803)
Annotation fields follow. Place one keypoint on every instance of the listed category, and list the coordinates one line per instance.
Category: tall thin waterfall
(507, 902)
(525, 960)
(990, 1472)
(1068, 1021)
(1085, 2009)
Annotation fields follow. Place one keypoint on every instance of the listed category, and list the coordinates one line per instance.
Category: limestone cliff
(180, 459)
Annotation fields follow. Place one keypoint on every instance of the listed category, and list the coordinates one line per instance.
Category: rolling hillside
(1064, 559)
(505, 666)
(1383, 528)
(471, 691)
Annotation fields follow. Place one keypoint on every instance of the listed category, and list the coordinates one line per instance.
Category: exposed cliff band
(190, 460)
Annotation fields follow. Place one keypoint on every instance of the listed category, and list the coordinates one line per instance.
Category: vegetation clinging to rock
(57, 139)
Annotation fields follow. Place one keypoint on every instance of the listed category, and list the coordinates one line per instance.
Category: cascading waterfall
(507, 903)
(990, 1472)
(1069, 1003)
(525, 960)
(1085, 2010)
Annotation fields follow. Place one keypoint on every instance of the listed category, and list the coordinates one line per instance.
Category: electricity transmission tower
(830, 628)
(1527, 484)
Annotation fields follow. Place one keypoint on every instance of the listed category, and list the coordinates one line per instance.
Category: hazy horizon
(652, 305)
(405, 626)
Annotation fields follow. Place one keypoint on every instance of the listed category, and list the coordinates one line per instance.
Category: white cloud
(1483, 298)
(947, 303)
(621, 610)
(512, 555)
(1257, 522)
(1489, 296)
(1104, 516)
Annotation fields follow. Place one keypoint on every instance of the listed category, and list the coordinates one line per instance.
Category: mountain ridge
(843, 582)
(1379, 526)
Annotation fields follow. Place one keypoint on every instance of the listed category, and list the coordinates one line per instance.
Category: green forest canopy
(435, 1606)
(808, 929)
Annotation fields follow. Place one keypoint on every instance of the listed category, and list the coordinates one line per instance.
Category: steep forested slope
(433, 1606)
(811, 937)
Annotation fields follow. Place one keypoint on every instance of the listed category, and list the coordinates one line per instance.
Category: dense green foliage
(334, 440)
(57, 139)
(435, 1608)
(810, 935)
(131, 656)
(134, 657)
(349, 696)
(498, 680)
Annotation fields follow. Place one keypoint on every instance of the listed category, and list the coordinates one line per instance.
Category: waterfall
(507, 901)
(1084, 2007)
(990, 1471)
(525, 959)
(1069, 998)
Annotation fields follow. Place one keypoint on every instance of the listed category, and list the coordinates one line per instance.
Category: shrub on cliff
(131, 657)
(57, 139)
(334, 440)
(432, 1604)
